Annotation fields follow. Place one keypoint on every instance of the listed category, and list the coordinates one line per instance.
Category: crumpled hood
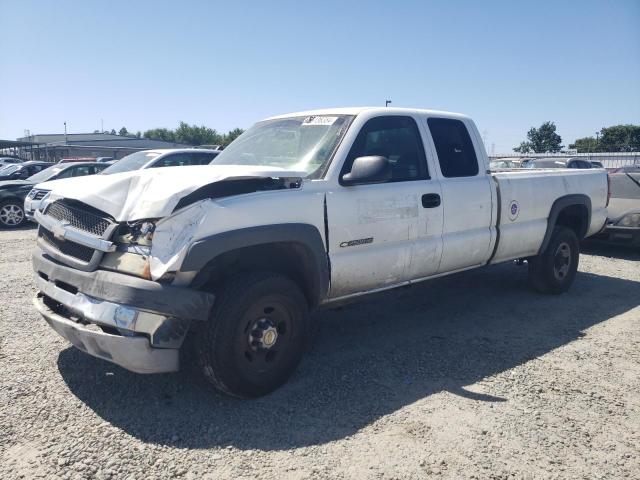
(154, 192)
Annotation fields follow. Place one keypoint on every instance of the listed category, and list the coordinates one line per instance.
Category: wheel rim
(562, 261)
(11, 214)
(266, 337)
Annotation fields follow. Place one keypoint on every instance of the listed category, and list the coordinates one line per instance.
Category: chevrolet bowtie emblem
(59, 229)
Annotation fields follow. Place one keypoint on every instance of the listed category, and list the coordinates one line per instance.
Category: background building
(53, 147)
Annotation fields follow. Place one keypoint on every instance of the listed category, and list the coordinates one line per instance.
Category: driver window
(398, 139)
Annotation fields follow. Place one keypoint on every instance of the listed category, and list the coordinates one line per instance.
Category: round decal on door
(514, 210)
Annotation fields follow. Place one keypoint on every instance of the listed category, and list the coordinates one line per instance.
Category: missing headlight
(137, 233)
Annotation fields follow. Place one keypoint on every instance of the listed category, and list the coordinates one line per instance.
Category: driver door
(373, 228)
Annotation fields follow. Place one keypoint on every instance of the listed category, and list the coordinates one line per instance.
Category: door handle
(430, 200)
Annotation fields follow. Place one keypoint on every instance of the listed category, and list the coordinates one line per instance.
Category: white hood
(154, 192)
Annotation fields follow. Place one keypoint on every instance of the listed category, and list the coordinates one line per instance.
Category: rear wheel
(11, 214)
(255, 337)
(554, 270)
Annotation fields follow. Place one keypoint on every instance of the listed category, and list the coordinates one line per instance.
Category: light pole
(65, 133)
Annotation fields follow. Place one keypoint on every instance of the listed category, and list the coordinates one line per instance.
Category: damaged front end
(112, 287)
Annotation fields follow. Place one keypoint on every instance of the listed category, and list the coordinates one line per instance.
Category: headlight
(630, 220)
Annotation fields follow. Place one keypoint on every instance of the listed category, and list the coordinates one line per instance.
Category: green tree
(160, 134)
(123, 132)
(194, 135)
(138, 134)
(620, 138)
(541, 140)
(617, 138)
(113, 131)
(585, 145)
(229, 137)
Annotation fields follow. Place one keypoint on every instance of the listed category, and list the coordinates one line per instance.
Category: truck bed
(525, 198)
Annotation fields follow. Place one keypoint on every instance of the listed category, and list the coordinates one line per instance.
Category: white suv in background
(164, 157)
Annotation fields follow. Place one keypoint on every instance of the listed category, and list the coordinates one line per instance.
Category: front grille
(79, 216)
(39, 194)
(71, 249)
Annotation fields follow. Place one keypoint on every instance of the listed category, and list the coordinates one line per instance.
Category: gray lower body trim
(132, 353)
(128, 290)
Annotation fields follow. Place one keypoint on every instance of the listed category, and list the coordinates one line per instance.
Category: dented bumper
(135, 323)
(132, 353)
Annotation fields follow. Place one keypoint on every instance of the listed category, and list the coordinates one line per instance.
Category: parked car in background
(502, 163)
(76, 159)
(596, 164)
(167, 157)
(623, 212)
(9, 161)
(22, 171)
(558, 163)
(18, 200)
(46, 178)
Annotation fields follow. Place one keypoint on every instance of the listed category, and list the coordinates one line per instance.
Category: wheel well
(292, 259)
(574, 217)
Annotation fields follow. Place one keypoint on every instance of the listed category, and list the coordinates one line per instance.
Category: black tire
(11, 214)
(235, 349)
(554, 270)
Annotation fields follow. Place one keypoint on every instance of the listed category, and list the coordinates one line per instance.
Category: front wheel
(255, 337)
(554, 270)
(11, 214)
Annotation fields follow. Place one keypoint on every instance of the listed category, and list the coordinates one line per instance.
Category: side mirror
(371, 169)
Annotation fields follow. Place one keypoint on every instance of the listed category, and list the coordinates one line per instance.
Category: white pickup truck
(303, 210)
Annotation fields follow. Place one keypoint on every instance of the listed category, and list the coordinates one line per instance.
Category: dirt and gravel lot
(471, 376)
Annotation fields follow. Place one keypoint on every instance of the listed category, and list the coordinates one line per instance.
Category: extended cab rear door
(466, 194)
(384, 234)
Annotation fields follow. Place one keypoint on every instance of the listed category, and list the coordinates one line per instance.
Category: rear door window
(454, 147)
(203, 158)
(174, 160)
(185, 158)
(80, 171)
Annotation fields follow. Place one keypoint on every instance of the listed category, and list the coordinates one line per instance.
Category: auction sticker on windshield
(316, 120)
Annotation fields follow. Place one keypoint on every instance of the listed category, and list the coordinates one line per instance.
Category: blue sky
(144, 64)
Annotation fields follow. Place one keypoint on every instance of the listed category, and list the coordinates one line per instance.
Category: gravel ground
(470, 376)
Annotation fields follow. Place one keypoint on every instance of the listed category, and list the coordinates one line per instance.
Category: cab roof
(376, 110)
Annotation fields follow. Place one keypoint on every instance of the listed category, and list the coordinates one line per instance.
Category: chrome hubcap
(11, 214)
(263, 335)
(562, 261)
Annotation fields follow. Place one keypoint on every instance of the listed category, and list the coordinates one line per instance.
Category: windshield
(135, 161)
(295, 143)
(45, 174)
(9, 169)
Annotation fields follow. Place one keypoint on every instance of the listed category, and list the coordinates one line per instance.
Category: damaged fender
(173, 236)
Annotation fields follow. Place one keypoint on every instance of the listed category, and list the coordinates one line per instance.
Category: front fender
(203, 251)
